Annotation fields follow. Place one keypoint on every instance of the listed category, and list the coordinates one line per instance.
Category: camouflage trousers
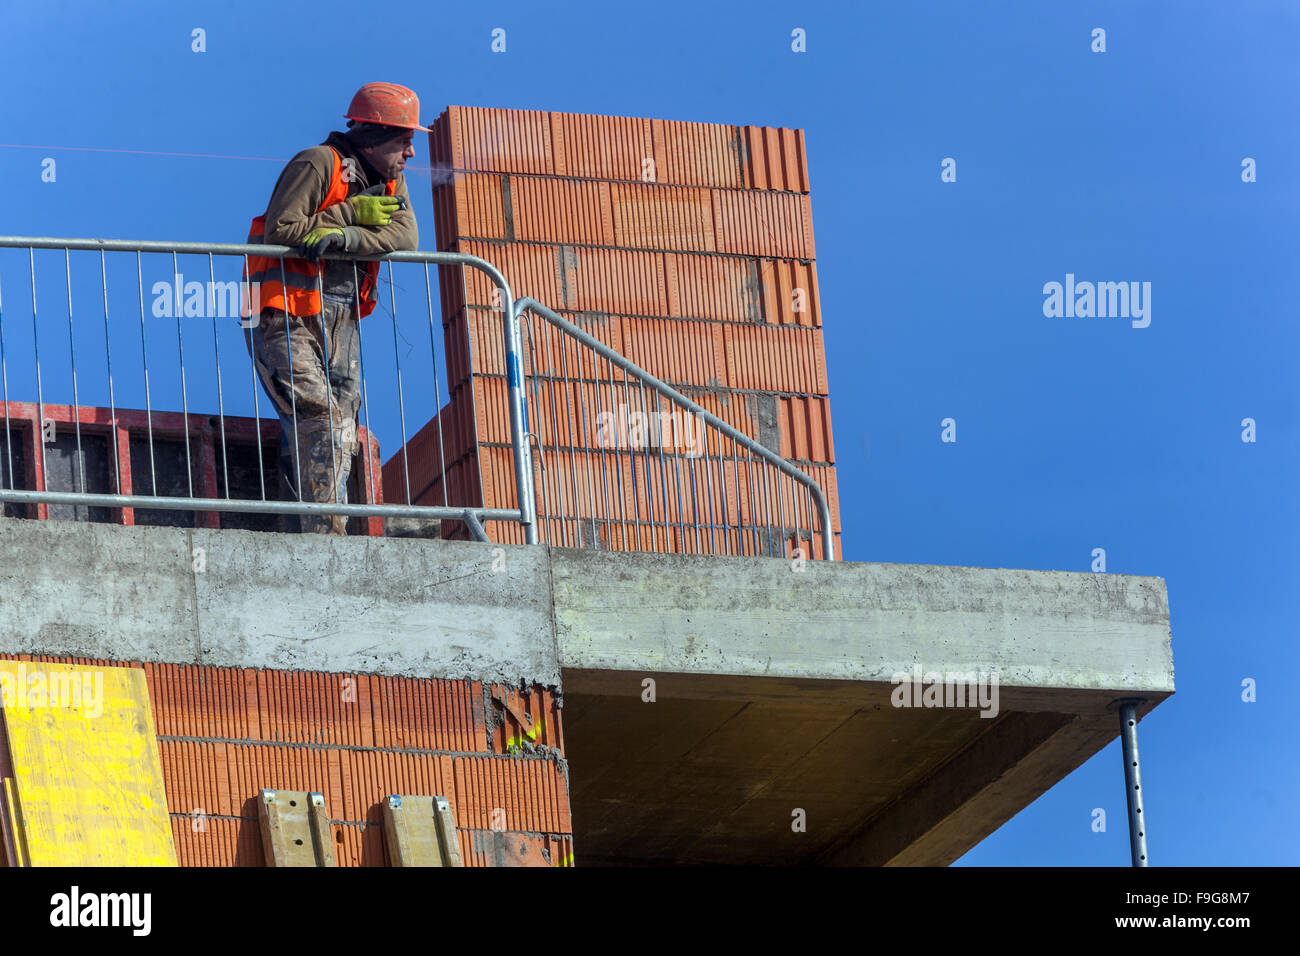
(317, 403)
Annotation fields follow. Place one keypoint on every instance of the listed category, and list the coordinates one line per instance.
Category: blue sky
(1072, 434)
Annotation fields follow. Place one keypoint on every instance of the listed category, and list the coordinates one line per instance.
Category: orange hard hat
(387, 104)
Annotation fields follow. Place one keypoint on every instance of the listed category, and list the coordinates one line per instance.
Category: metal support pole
(1137, 824)
(523, 453)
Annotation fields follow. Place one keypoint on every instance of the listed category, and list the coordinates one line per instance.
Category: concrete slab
(75, 589)
(775, 698)
(758, 617)
(774, 686)
(396, 606)
(375, 605)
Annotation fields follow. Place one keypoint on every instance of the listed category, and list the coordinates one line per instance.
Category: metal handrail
(524, 514)
(513, 315)
(526, 304)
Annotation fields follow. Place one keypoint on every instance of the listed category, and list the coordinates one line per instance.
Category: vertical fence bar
(708, 483)
(617, 455)
(676, 455)
(4, 377)
(40, 394)
(361, 371)
(780, 508)
(586, 452)
(811, 526)
(551, 376)
(216, 356)
(254, 321)
(573, 447)
(649, 473)
(469, 384)
(76, 395)
(108, 358)
(828, 534)
(586, 443)
(367, 466)
(401, 397)
(753, 503)
(763, 486)
(724, 517)
(603, 439)
(695, 494)
(328, 357)
(185, 404)
(437, 396)
(765, 482)
(293, 391)
(144, 359)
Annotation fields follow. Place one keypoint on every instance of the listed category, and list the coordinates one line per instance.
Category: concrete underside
(772, 681)
(717, 777)
(773, 694)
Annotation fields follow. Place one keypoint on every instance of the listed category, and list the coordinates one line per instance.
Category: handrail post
(523, 454)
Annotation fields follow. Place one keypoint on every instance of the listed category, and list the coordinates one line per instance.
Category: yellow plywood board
(85, 765)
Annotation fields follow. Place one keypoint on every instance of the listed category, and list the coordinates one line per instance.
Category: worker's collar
(348, 149)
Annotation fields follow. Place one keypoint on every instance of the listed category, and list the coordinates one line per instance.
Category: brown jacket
(291, 213)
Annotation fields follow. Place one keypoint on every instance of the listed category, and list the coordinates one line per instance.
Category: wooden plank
(87, 780)
(295, 829)
(421, 831)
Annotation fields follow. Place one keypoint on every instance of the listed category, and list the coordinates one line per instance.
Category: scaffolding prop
(1137, 825)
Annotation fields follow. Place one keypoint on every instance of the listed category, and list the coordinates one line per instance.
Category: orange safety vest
(302, 298)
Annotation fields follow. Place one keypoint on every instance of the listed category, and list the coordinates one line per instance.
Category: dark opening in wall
(241, 469)
(168, 474)
(13, 469)
(79, 465)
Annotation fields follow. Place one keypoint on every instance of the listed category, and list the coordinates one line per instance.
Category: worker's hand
(375, 210)
(320, 242)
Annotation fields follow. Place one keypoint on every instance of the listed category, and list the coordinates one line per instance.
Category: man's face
(390, 158)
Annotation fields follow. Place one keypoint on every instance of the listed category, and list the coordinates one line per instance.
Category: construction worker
(347, 195)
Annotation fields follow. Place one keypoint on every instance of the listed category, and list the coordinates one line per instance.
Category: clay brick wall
(687, 247)
(225, 733)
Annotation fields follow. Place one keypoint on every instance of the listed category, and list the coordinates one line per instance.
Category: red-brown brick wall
(692, 275)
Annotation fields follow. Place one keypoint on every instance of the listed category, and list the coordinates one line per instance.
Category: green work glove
(320, 242)
(375, 210)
